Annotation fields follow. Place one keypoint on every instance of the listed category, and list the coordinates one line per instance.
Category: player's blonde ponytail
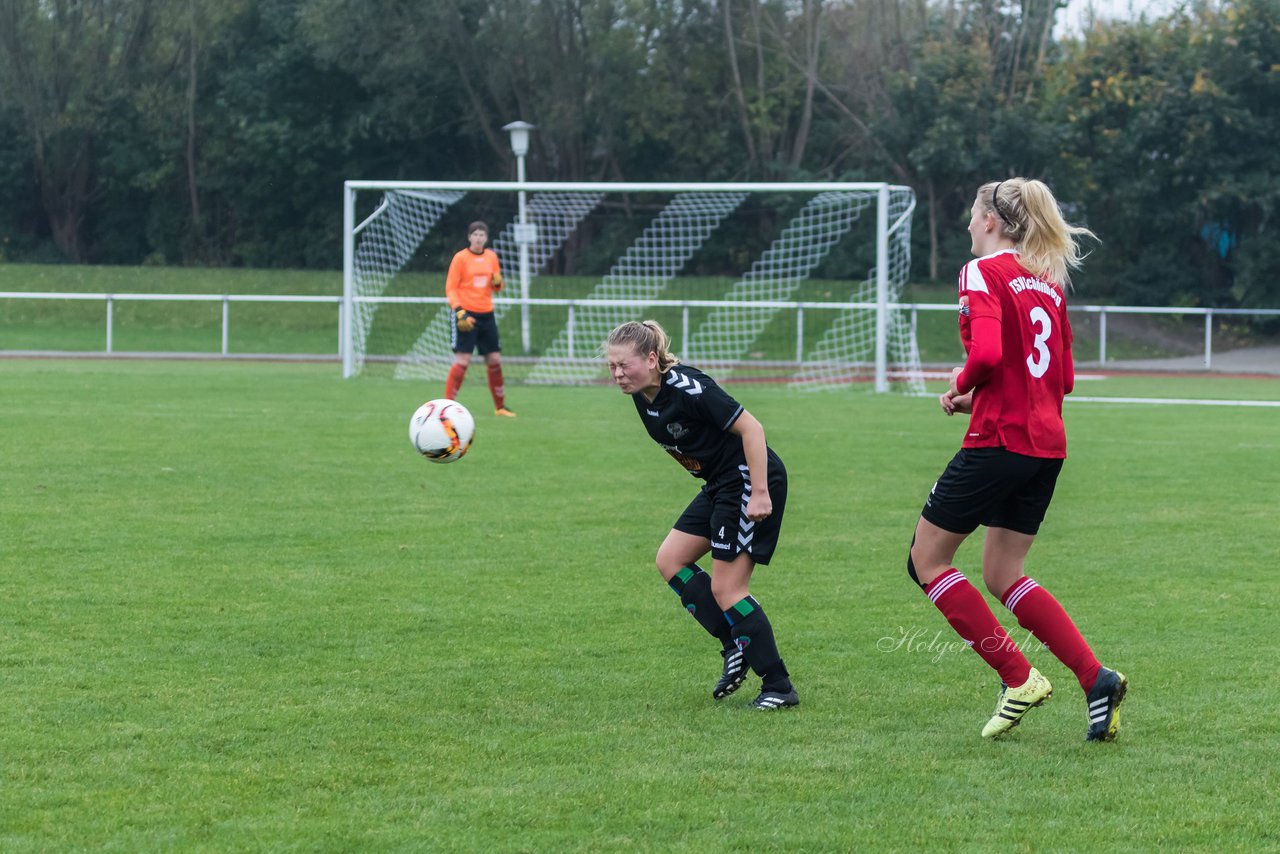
(644, 338)
(1029, 216)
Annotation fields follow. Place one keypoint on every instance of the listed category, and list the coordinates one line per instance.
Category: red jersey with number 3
(1018, 341)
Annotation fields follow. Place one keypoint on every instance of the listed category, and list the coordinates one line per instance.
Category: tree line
(218, 132)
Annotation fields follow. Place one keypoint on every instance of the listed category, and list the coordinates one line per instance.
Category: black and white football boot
(1103, 705)
(771, 698)
(735, 673)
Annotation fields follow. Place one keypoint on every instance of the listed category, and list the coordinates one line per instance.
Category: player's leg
(752, 632)
(462, 343)
(677, 562)
(944, 524)
(961, 603)
(738, 545)
(933, 549)
(487, 331)
(681, 550)
(1004, 555)
(973, 482)
(1037, 610)
(493, 364)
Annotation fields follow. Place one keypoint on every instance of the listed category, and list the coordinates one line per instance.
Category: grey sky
(1072, 19)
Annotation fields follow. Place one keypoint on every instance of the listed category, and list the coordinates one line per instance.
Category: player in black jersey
(736, 515)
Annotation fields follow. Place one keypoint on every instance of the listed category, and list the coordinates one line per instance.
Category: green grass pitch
(240, 614)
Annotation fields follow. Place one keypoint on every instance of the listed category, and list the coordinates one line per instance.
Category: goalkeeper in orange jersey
(474, 276)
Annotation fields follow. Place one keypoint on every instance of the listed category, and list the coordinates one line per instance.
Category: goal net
(795, 283)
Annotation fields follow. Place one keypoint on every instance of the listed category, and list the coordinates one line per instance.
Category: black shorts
(718, 513)
(483, 336)
(993, 487)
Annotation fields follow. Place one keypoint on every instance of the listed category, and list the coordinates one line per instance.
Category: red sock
(967, 612)
(1041, 614)
(454, 381)
(495, 387)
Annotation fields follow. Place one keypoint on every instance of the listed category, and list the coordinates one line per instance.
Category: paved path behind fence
(1254, 360)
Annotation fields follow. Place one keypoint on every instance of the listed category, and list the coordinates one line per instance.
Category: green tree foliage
(278, 129)
(612, 85)
(219, 131)
(944, 98)
(69, 69)
(1171, 154)
(19, 192)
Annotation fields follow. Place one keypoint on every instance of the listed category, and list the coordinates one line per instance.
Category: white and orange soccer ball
(442, 430)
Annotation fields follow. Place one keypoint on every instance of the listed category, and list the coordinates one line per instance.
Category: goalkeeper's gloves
(496, 282)
(465, 321)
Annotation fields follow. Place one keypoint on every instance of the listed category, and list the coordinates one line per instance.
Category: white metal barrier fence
(1101, 311)
(225, 299)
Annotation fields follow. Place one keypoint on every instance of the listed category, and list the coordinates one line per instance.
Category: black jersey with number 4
(690, 418)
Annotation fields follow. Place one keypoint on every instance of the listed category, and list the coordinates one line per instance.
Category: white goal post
(793, 282)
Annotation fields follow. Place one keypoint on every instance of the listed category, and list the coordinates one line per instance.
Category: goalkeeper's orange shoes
(504, 412)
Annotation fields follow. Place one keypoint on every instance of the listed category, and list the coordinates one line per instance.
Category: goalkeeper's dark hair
(480, 225)
(1029, 216)
(645, 337)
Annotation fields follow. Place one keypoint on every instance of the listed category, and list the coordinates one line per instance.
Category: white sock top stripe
(945, 584)
(1020, 588)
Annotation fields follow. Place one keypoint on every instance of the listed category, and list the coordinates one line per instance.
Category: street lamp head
(519, 137)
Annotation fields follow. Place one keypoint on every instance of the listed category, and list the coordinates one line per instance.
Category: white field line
(1175, 401)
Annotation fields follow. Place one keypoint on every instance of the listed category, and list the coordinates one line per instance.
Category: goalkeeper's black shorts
(482, 337)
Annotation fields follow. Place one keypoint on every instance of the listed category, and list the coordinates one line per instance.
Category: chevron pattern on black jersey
(745, 525)
(684, 382)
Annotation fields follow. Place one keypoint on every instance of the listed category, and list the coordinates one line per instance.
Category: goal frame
(351, 229)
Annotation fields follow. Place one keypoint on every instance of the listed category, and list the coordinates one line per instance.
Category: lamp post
(526, 234)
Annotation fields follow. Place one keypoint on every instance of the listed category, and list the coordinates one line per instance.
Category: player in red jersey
(1013, 324)
(474, 277)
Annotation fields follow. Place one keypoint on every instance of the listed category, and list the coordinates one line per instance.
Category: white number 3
(1038, 362)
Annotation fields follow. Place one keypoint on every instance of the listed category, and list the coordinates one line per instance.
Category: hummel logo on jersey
(684, 382)
(654, 414)
(716, 545)
(676, 430)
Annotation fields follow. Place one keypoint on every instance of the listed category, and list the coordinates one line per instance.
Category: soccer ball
(442, 430)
